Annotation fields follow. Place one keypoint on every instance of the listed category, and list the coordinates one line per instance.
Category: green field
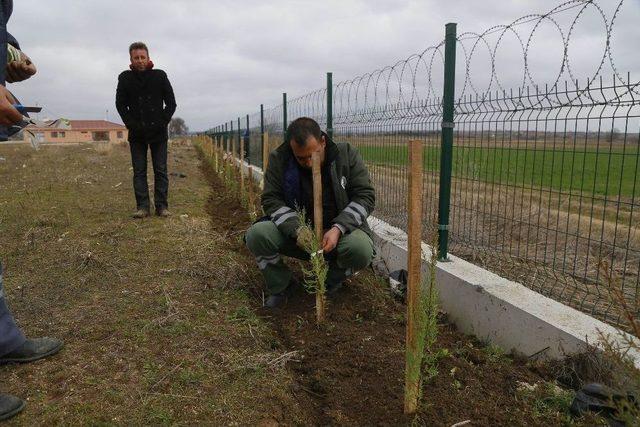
(606, 173)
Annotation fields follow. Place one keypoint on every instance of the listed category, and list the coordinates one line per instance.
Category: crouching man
(348, 198)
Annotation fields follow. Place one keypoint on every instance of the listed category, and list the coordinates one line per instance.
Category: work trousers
(139, 150)
(11, 337)
(353, 252)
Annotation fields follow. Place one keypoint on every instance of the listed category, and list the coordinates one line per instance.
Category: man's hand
(8, 114)
(304, 238)
(18, 71)
(330, 239)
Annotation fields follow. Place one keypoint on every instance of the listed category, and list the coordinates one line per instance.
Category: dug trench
(350, 371)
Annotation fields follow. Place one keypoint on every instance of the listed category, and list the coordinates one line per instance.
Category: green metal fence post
(330, 105)
(261, 135)
(284, 116)
(446, 155)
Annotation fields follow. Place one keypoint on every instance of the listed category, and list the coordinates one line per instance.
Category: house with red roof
(75, 131)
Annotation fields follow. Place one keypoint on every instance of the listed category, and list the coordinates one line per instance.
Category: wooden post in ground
(241, 166)
(215, 154)
(265, 157)
(317, 221)
(233, 159)
(250, 197)
(225, 160)
(414, 267)
(220, 156)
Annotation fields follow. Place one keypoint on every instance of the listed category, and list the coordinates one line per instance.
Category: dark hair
(138, 45)
(301, 129)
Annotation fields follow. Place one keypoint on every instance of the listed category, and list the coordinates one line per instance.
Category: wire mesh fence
(546, 149)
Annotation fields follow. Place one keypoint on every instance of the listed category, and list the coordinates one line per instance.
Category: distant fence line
(538, 182)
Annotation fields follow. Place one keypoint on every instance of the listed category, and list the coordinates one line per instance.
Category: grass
(607, 171)
(155, 330)
(157, 324)
(548, 399)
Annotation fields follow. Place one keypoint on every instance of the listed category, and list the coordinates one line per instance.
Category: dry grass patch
(157, 330)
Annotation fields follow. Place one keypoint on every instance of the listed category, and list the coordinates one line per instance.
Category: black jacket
(354, 194)
(145, 102)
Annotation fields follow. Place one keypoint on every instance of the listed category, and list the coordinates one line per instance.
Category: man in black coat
(145, 101)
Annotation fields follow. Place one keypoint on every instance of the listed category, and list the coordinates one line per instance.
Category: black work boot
(10, 406)
(333, 288)
(275, 300)
(163, 212)
(141, 213)
(32, 350)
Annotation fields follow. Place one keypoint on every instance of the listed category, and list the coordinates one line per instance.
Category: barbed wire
(412, 87)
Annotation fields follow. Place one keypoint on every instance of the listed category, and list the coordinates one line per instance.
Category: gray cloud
(225, 58)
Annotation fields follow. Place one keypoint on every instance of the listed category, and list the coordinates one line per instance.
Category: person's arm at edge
(8, 114)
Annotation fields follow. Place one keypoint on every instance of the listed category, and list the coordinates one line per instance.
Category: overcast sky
(225, 58)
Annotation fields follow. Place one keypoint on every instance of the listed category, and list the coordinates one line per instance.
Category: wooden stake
(241, 166)
(220, 156)
(265, 157)
(250, 201)
(233, 159)
(317, 221)
(413, 356)
(215, 154)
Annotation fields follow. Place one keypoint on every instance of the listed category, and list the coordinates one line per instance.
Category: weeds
(427, 323)
(620, 353)
(547, 399)
(245, 315)
(494, 353)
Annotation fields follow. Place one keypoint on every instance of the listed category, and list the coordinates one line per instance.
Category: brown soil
(350, 371)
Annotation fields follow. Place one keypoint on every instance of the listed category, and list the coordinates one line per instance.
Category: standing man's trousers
(139, 149)
(353, 252)
(11, 337)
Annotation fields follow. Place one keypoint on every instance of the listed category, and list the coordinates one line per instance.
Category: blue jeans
(11, 337)
(139, 149)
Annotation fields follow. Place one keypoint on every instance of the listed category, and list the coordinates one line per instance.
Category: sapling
(425, 359)
(315, 276)
(428, 316)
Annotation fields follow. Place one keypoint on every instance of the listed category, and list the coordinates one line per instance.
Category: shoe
(10, 406)
(275, 300)
(163, 212)
(32, 350)
(333, 289)
(141, 213)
